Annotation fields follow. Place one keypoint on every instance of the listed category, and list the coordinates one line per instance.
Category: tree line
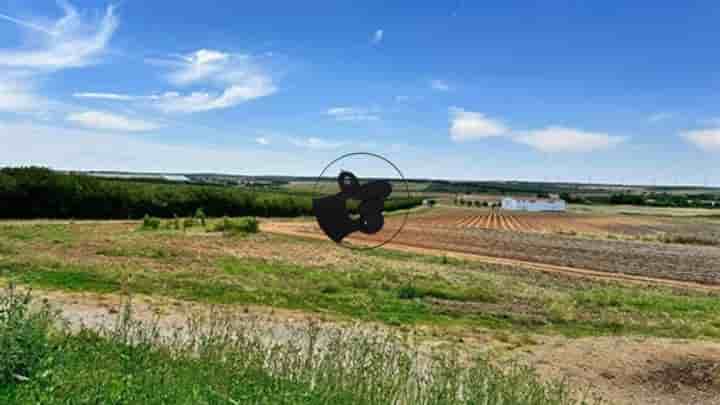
(35, 192)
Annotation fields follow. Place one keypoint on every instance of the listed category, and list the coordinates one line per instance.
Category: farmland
(536, 288)
(675, 249)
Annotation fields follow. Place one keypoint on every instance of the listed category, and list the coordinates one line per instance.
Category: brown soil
(635, 370)
(655, 264)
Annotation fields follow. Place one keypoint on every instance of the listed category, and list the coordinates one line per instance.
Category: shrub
(200, 216)
(330, 289)
(150, 223)
(409, 292)
(188, 222)
(237, 226)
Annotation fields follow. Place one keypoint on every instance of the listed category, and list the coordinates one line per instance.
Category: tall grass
(216, 361)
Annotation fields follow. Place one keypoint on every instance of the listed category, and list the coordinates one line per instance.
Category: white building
(533, 204)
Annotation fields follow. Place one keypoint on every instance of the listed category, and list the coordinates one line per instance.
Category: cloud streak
(352, 114)
(556, 139)
(110, 121)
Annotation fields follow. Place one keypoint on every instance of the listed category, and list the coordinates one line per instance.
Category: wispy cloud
(262, 140)
(110, 121)
(231, 79)
(236, 78)
(659, 117)
(108, 96)
(440, 85)
(68, 42)
(470, 125)
(17, 94)
(706, 139)
(315, 143)
(353, 114)
(378, 36)
(50, 45)
(560, 139)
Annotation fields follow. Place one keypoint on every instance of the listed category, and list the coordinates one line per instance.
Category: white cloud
(659, 117)
(315, 143)
(440, 85)
(231, 80)
(707, 139)
(469, 125)
(378, 36)
(561, 139)
(234, 79)
(352, 114)
(200, 101)
(199, 65)
(68, 42)
(109, 121)
(107, 96)
(262, 141)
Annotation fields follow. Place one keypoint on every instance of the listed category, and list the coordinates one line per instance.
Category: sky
(612, 91)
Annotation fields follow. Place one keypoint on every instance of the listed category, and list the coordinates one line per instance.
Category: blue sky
(605, 91)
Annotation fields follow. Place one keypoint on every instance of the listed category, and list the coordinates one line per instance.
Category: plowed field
(529, 237)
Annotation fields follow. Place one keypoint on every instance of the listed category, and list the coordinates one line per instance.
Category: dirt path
(291, 229)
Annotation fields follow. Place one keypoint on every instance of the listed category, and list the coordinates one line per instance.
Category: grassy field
(394, 288)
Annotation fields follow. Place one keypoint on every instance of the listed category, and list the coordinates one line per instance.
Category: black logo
(332, 212)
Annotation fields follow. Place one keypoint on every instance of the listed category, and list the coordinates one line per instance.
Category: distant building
(533, 204)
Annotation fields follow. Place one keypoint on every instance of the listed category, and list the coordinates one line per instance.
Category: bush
(409, 292)
(237, 226)
(188, 223)
(200, 216)
(150, 223)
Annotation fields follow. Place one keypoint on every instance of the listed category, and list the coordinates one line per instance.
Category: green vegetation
(223, 365)
(474, 295)
(42, 193)
(703, 200)
(237, 226)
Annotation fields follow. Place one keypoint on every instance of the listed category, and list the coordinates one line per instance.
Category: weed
(200, 216)
(150, 223)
